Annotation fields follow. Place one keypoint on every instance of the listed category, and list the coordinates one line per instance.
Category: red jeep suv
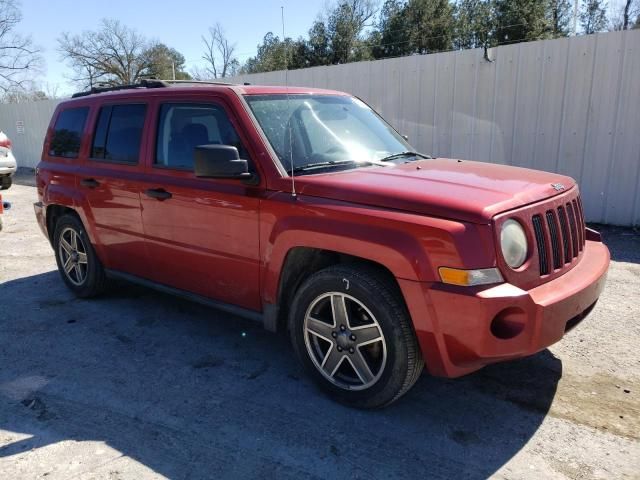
(304, 210)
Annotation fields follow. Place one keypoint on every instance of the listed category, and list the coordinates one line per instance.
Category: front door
(202, 234)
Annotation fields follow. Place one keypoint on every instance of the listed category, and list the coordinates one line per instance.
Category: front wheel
(5, 182)
(351, 330)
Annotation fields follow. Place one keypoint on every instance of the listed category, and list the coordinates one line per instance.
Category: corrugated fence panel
(570, 105)
(26, 125)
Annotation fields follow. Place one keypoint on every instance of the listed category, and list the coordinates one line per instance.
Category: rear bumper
(461, 329)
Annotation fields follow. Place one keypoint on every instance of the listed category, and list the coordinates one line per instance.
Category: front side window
(118, 133)
(324, 129)
(183, 127)
(67, 133)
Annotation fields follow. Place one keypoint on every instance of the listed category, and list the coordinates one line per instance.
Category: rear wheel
(351, 330)
(5, 182)
(77, 261)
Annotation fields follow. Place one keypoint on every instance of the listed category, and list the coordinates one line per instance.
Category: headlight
(513, 241)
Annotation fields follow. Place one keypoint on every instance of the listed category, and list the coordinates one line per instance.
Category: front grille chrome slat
(559, 233)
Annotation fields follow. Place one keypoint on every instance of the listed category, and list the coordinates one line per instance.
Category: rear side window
(183, 127)
(118, 133)
(67, 133)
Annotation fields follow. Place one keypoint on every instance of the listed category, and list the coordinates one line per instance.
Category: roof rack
(145, 83)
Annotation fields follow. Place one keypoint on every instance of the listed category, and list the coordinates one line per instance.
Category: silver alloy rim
(344, 341)
(73, 256)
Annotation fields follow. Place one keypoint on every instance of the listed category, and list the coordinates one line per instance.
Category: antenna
(286, 86)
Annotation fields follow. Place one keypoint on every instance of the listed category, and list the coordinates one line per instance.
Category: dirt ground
(139, 385)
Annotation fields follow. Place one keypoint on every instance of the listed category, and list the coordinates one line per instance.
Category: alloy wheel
(344, 341)
(73, 256)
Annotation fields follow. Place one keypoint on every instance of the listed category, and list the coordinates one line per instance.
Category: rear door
(111, 180)
(202, 233)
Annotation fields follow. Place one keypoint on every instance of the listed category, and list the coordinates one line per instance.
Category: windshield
(326, 130)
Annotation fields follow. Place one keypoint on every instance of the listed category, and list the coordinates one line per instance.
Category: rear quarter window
(67, 132)
(118, 133)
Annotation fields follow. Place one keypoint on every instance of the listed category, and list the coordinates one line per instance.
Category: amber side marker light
(469, 278)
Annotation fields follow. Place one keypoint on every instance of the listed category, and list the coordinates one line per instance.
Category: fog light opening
(509, 323)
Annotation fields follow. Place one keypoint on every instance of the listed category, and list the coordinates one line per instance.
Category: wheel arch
(298, 265)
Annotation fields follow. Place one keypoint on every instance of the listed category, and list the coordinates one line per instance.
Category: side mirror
(219, 161)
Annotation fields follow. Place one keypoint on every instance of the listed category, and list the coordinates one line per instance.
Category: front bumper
(462, 329)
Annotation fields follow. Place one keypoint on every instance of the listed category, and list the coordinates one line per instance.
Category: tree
(475, 24)
(114, 54)
(275, 54)
(19, 58)
(391, 36)
(165, 62)
(522, 20)
(344, 25)
(219, 54)
(623, 18)
(415, 26)
(560, 16)
(593, 17)
(318, 48)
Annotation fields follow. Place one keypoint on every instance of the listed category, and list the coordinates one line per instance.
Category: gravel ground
(138, 385)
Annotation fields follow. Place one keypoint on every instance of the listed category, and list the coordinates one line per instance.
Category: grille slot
(565, 234)
(555, 242)
(540, 243)
(574, 229)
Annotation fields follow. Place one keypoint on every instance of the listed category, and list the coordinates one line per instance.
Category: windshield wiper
(404, 154)
(338, 163)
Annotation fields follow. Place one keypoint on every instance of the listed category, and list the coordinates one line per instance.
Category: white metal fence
(570, 105)
(26, 124)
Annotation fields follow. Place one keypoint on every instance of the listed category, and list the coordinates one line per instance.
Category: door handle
(89, 183)
(158, 193)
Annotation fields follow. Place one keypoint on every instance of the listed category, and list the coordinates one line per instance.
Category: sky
(179, 24)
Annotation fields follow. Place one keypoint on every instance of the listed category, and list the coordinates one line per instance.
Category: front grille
(561, 238)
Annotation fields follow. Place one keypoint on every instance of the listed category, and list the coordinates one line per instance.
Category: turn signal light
(469, 278)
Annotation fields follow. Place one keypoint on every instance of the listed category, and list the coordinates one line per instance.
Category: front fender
(398, 252)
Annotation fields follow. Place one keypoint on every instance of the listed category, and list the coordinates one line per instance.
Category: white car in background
(8, 164)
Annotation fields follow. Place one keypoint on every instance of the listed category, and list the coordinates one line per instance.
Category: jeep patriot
(303, 209)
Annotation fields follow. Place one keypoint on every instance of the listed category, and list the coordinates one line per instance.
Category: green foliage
(593, 16)
(163, 60)
(475, 24)
(415, 26)
(522, 20)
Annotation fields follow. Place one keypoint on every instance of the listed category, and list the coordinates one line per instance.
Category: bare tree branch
(219, 54)
(114, 54)
(20, 60)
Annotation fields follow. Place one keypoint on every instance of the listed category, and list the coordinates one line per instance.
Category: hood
(442, 187)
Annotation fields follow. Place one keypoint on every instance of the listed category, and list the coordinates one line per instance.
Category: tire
(6, 182)
(378, 331)
(85, 277)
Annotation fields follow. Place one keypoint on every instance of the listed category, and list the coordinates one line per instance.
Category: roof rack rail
(145, 83)
(196, 82)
